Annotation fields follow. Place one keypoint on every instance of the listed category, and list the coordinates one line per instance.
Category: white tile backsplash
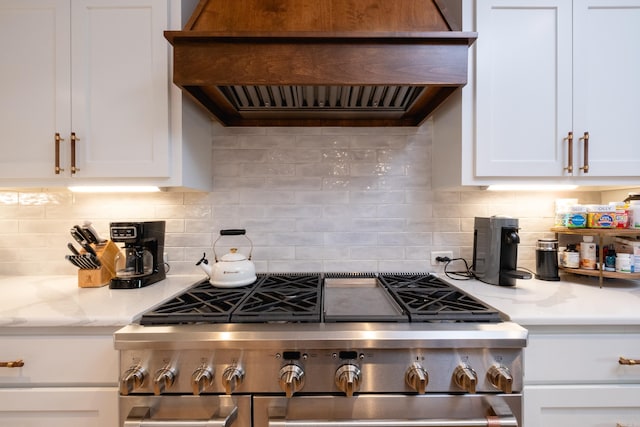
(311, 199)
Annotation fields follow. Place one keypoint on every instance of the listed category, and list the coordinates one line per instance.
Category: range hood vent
(320, 62)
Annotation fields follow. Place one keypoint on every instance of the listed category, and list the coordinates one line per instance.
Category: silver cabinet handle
(489, 421)
(140, 416)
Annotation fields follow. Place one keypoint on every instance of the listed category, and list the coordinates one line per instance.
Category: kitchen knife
(77, 234)
(94, 261)
(73, 249)
(93, 235)
(87, 236)
(87, 247)
(76, 260)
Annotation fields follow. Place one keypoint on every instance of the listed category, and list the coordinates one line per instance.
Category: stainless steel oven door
(389, 411)
(185, 411)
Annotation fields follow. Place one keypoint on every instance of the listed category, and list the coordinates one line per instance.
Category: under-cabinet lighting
(532, 187)
(115, 189)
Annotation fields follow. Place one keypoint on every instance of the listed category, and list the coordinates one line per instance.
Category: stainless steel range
(302, 350)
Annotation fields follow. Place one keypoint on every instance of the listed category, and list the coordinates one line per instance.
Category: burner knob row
(292, 378)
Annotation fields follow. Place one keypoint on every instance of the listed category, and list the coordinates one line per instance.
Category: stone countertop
(573, 301)
(57, 301)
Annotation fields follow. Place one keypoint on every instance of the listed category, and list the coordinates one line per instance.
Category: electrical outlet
(436, 254)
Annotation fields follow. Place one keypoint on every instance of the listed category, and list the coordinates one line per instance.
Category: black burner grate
(282, 298)
(426, 298)
(202, 303)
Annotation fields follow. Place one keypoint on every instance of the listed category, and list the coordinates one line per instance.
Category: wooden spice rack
(599, 234)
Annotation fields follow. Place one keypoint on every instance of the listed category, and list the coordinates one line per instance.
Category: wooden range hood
(320, 62)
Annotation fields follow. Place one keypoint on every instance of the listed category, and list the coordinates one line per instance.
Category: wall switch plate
(436, 254)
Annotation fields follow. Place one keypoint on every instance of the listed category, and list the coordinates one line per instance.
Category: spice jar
(570, 257)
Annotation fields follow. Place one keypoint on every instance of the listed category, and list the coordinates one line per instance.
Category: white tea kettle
(233, 269)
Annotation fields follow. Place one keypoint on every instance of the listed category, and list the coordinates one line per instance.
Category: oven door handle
(140, 416)
(489, 421)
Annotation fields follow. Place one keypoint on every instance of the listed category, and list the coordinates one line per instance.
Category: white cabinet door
(523, 87)
(584, 406)
(606, 86)
(59, 407)
(120, 105)
(97, 69)
(34, 86)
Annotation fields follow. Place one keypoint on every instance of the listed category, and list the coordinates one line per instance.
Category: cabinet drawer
(584, 406)
(59, 360)
(581, 358)
(59, 407)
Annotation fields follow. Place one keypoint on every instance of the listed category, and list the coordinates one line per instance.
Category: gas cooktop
(324, 298)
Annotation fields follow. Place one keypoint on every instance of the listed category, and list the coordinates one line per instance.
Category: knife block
(107, 254)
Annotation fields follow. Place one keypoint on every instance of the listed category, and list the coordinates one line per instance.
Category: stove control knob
(291, 379)
(163, 379)
(231, 378)
(500, 377)
(465, 378)
(201, 379)
(348, 378)
(417, 378)
(133, 378)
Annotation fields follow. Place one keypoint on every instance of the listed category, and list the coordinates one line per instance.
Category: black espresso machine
(142, 263)
(495, 251)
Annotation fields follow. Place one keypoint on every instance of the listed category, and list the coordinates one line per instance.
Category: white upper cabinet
(119, 80)
(35, 86)
(606, 81)
(523, 86)
(545, 74)
(96, 71)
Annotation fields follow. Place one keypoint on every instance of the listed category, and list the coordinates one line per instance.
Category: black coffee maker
(142, 263)
(495, 251)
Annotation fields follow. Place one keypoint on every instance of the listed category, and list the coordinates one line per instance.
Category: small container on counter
(570, 257)
(621, 217)
(563, 207)
(547, 260)
(625, 263)
(577, 216)
(634, 214)
(588, 257)
(609, 258)
(601, 216)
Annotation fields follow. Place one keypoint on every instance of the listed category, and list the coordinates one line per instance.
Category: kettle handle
(233, 232)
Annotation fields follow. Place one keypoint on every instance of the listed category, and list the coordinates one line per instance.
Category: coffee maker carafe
(142, 262)
(495, 251)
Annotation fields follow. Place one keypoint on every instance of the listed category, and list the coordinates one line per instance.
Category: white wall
(311, 199)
